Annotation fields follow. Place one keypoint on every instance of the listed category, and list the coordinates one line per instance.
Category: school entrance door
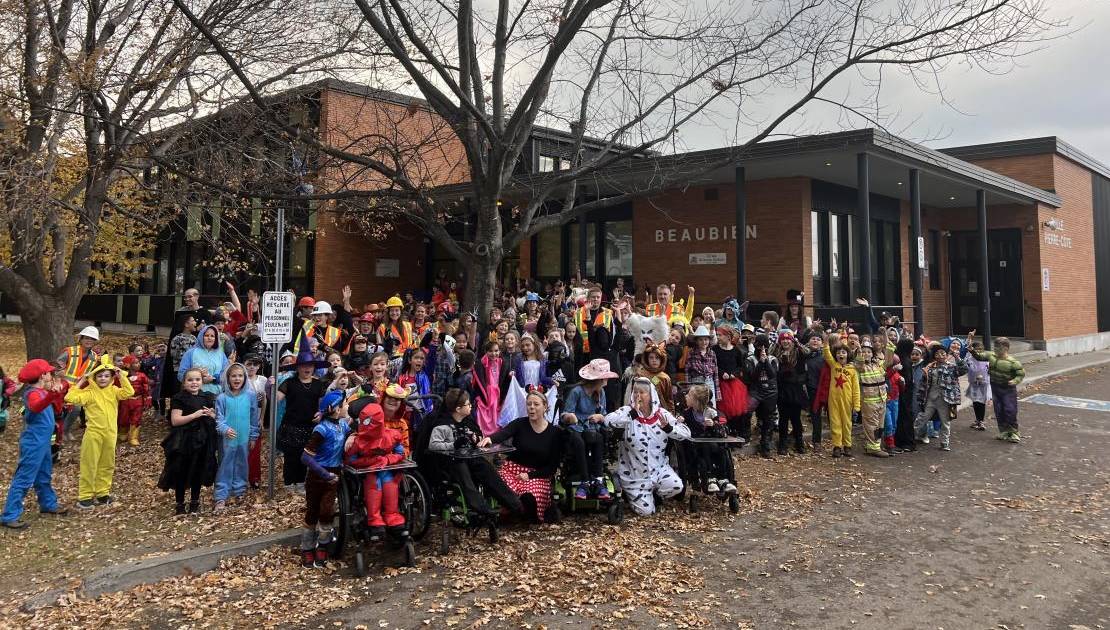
(1004, 252)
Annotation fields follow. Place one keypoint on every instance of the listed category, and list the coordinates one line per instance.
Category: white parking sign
(277, 317)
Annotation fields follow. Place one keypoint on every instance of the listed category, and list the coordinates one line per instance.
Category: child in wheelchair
(708, 466)
(583, 418)
(375, 446)
(454, 428)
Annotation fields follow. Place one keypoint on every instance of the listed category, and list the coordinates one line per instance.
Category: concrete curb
(133, 573)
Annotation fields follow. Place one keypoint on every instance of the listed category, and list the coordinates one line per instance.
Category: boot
(848, 451)
(836, 452)
(133, 435)
(373, 497)
(390, 502)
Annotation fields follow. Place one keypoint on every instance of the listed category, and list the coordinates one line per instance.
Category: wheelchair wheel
(416, 503)
(734, 504)
(615, 513)
(410, 554)
(344, 517)
(360, 564)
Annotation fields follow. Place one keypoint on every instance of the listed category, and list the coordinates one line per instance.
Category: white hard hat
(322, 308)
(91, 332)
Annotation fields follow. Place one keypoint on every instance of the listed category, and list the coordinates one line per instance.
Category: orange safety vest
(331, 336)
(404, 336)
(77, 362)
(604, 318)
(422, 329)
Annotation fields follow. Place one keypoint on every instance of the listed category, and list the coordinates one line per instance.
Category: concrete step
(1029, 357)
(1018, 346)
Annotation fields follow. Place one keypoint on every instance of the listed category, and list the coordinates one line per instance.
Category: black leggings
(765, 414)
(588, 452)
(980, 411)
(293, 471)
(194, 490)
(470, 473)
(790, 415)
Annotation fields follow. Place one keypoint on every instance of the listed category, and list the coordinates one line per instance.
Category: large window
(591, 249)
(933, 264)
(547, 164)
(618, 249)
(549, 254)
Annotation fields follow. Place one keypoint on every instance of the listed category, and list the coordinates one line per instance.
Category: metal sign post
(276, 329)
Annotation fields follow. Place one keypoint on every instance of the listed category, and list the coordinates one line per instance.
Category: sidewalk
(1051, 368)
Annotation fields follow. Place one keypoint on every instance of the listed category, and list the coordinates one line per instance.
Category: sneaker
(321, 559)
(848, 452)
(712, 487)
(194, 507)
(1014, 437)
(1002, 435)
(876, 452)
(179, 510)
(16, 524)
(105, 500)
(603, 493)
(945, 447)
(836, 451)
(86, 504)
(219, 507)
(979, 426)
(582, 493)
(729, 488)
(58, 511)
(925, 439)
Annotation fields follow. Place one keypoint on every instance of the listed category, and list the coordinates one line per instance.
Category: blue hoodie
(237, 411)
(214, 360)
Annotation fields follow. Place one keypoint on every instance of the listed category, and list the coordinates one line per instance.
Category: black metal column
(863, 218)
(917, 253)
(741, 235)
(984, 270)
(582, 249)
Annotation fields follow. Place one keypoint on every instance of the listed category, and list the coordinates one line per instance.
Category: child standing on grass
(322, 456)
(237, 422)
(35, 467)
(99, 396)
(844, 397)
(191, 444)
(1006, 374)
(131, 410)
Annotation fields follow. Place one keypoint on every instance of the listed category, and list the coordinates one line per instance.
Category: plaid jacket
(947, 377)
(703, 369)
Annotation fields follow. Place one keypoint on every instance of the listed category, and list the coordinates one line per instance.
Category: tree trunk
(48, 331)
(481, 284)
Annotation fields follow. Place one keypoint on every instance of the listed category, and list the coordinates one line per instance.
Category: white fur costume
(644, 329)
(642, 467)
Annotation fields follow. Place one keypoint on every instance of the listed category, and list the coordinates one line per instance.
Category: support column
(984, 271)
(863, 218)
(916, 253)
(582, 248)
(741, 235)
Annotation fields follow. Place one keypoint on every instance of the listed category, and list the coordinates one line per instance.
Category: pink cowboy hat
(596, 370)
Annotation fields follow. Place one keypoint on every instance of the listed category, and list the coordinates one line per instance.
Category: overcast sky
(1061, 90)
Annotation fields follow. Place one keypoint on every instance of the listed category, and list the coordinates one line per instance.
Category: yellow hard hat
(394, 301)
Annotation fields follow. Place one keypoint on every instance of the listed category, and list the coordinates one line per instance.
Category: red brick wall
(413, 139)
(1035, 170)
(777, 259)
(1069, 304)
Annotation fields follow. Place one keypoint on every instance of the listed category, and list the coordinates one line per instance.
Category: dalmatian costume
(643, 468)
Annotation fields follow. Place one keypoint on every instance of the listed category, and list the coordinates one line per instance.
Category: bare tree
(87, 92)
(635, 74)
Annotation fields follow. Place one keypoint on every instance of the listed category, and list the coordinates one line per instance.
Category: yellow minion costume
(98, 447)
(844, 398)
